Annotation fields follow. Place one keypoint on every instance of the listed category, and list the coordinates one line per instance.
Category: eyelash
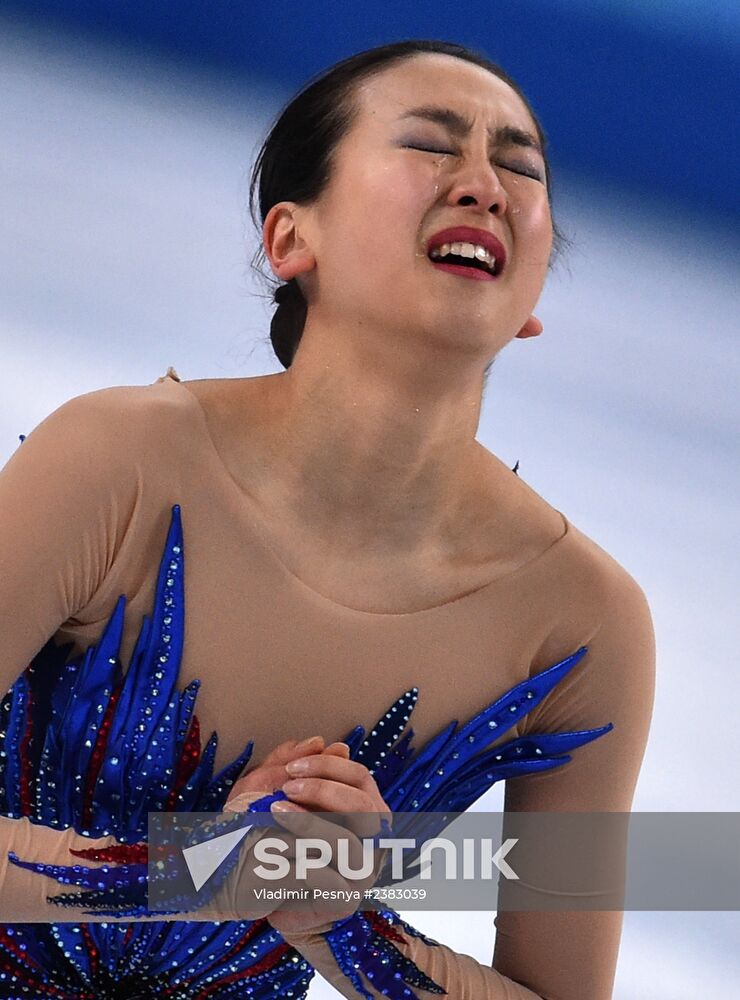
(448, 152)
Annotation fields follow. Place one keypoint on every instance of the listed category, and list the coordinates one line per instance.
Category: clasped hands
(318, 778)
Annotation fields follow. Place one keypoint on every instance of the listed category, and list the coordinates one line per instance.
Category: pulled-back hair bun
(288, 321)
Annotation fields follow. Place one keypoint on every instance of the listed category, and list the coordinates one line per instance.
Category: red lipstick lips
(469, 234)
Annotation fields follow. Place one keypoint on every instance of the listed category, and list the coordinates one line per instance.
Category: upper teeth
(465, 250)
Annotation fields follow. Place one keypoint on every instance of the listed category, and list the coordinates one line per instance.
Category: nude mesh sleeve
(66, 496)
(564, 955)
(24, 895)
(567, 955)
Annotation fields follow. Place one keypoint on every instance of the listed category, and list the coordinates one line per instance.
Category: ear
(532, 328)
(288, 253)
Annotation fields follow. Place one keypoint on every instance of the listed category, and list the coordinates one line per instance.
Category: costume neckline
(262, 540)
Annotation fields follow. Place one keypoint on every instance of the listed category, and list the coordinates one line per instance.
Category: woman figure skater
(283, 559)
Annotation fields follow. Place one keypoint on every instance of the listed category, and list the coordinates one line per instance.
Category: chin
(471, 337)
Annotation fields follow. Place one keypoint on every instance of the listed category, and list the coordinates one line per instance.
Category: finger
(327, 795)
(360, 811)
(291, 749)
(305, 824)
(362, 795)
(298, 820)
(240, 800)
(334, 768)
(271, 774)
(338, 769)
(302, 822)
(264, 780)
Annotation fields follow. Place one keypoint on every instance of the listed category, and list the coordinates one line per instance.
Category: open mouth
(467, 259)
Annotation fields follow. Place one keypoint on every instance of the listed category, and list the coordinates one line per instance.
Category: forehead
(434, 78)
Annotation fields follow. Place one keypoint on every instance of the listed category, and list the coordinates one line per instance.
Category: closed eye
(513, 168)
(430, 149)
(522, 171)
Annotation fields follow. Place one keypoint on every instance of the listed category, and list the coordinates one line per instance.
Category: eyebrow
(458, 125)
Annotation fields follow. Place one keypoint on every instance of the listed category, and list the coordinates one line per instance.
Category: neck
(368, 453)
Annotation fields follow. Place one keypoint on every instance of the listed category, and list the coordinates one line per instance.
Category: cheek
(532, 224)
(400, 196)
(385, 213)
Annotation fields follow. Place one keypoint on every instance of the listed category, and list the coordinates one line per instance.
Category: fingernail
(282, 806)
(293, 786)
(299, 766)
(305, 743)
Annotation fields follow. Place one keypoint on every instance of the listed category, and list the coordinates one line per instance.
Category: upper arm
(568, 955)
(613, 683)
(66, 495)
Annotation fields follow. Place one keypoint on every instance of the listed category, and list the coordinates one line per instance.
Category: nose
(477, 183)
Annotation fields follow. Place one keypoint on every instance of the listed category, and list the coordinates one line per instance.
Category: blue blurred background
(126, 135)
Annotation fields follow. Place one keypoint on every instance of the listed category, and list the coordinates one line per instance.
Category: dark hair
(295, 160)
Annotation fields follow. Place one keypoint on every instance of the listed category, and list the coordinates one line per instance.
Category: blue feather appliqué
(91, 747)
